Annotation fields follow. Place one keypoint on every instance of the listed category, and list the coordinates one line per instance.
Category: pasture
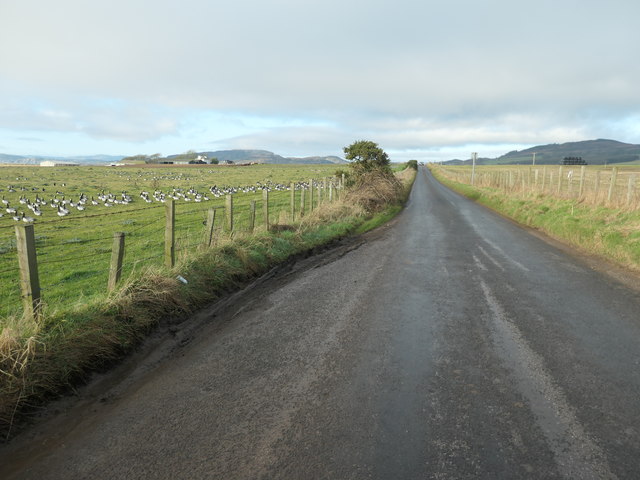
(77, 210)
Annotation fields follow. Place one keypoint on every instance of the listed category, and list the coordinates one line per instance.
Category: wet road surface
(450, 344)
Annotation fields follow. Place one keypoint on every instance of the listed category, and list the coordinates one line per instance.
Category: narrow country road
(451, 344)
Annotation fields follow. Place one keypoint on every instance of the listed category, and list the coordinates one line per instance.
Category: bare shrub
(375, 190)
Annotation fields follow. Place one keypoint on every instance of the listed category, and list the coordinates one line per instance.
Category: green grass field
(74, 250)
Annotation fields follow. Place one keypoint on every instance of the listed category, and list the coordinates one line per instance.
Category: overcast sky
(424, 79)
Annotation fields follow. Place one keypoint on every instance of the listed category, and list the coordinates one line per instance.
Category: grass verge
(610, 233)
(41, 360)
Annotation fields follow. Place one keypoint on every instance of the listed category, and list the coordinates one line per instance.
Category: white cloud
(414, 75)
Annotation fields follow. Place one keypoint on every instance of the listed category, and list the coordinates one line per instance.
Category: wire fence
(74, 253)
(615, 187)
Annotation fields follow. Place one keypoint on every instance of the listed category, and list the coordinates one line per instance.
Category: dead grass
(375, 190)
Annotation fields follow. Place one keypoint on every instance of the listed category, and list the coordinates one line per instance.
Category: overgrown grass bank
(42, 359)
(611, 233)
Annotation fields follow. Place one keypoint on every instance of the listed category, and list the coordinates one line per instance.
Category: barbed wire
(65, 284)
(9, 225)
(103, 214)
(197, 225)
(14, 269)
(74, 241)
(188, 245)
(78, 260)
(199, 208)
(190, 228)
(140, 260)
(137, 228)
(159, 229)
(68, 259)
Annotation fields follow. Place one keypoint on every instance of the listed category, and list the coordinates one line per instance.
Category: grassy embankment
(39, 360)
(608, 229)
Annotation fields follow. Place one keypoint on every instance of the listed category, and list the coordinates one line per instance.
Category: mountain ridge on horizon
(594, 152)
(235, 155)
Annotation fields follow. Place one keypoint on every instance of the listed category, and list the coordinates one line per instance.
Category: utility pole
(474, 156)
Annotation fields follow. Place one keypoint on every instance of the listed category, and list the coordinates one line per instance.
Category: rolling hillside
(264, 156)
(594, 152)
(235, 156)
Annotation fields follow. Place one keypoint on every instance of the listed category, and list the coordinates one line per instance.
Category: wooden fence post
(630, 188)
(229, 212)
(265, 208)
(612, 184)
(293, 201)
(597, 186)
(311, 195)
(252, 216)
(211, 220)
(117, 256)
(581, 189)
(570, 182)
(170, 234)
(559, 180)
(544, 177)
(303, 194)
(29, 280)
(331, 192)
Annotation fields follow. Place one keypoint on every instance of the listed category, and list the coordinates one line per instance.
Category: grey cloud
(413, 74)
(99, 119)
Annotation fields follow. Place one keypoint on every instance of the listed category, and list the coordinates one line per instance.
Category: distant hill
(236, 156)
(594, 152)
(264, 156)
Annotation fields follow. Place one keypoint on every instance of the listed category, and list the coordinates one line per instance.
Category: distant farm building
(573, 161)
(53, 163)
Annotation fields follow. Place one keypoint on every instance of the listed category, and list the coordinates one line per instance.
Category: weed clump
(374, 190)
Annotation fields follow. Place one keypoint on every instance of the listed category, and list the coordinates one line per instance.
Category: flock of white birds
(61, 205)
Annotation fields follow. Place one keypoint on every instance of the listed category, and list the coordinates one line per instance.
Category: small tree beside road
(373, 184)
(366, 156)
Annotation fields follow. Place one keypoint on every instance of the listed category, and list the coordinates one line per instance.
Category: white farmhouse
(54, 163)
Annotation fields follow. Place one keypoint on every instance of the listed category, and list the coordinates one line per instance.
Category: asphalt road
(449, 344)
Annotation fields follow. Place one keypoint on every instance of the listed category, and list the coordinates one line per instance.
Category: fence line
(185, 228)
(103, 214)
(611, 187)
